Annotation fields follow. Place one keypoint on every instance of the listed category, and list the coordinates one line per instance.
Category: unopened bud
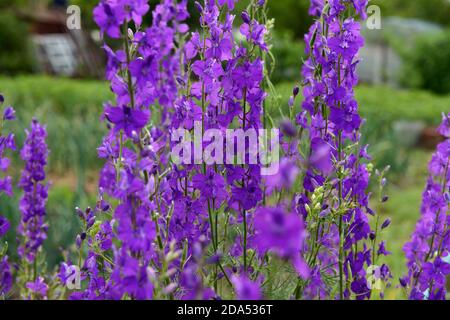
(386, 223)
(245, 17)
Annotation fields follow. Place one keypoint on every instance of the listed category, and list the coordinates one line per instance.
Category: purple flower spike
(32, 205)
(427, 252)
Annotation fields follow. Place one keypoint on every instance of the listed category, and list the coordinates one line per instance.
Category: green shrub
(428, 65)
(288, 54)
(15, 55)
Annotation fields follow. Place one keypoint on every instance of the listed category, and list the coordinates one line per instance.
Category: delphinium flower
(6, 142)
(97, 237)
(335, 200)
(246, 289)
(143, 76)
(222, 89)
(38, 289)
(33, 228)
(428, 251)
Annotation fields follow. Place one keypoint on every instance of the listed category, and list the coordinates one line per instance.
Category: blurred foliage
(427, 66)
(72, 111)
(289, 55)
(291, 15)
(437, 11)
(16, 53)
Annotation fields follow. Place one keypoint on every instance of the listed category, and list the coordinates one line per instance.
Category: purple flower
(211, 186)
(436, 272)
(127, 119)
(321, 156)
(286, 176)
(282, 233)
(109, 16)
(38, 288)
(32, 204)
(4, 226)
(247, 197)
(9, 114)
(229, 3)
(386, 223)
(6, 279)
(444, 128)
(360, 6)
(382, 249)
(135, 9)
(6, 186)
(347, 41)
(255, 33)
(187, 112)
(246, 289)
(427, 251)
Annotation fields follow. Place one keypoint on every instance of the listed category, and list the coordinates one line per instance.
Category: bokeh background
(56, 74)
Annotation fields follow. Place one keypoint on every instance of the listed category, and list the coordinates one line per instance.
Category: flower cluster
(342, 245)
(428, 252)
(173, 222)
(212, 227)
(125, 252)
(33, 228)
(6, 142)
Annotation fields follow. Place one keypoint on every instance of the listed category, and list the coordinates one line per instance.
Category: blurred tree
(437, 11)
(291, 15)
(15, 57)
(428, 64)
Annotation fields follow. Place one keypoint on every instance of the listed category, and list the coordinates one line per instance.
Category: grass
(72, 108)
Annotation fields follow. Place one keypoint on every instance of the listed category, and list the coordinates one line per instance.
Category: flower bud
(403, 282)
(296, 91)
(447, 197)
(386, 223)
(80, 213)
(288, 128)
(9, 113)
(199, 7)
(245, 17)
(78, 241)
(181, 82)
(291, 101)
(130, 34)
(91, 222)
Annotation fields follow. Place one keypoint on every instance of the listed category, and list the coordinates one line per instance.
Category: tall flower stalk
(6, 142)
(335, 200)
(129, 256)
(33, 228)
(428, 251)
